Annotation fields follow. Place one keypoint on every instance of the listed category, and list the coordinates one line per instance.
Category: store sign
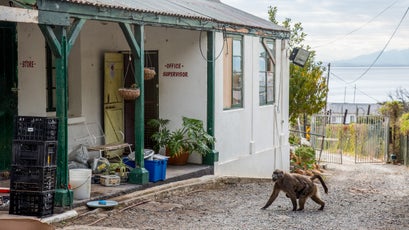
(28, 64)
(174, 70)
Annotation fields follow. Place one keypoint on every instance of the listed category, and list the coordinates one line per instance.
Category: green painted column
(63, 196)
(213, 156)
(139, 175)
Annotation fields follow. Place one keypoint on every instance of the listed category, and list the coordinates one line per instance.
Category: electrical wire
(386, 45)
(346, 83)
(221, 50)
(357, 29)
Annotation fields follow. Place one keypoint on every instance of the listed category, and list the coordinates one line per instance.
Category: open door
(151, 99)
(8, 89)
(113, 102)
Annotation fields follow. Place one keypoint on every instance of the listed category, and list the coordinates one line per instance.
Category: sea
(365, 85)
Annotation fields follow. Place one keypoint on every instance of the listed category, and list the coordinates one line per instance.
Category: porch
(100, 192)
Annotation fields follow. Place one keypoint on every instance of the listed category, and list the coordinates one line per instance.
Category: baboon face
(277, 174)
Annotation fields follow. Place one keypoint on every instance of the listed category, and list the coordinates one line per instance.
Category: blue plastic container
(128, 162)
(156, 169)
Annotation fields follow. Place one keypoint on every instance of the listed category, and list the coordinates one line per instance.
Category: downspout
(213, 156)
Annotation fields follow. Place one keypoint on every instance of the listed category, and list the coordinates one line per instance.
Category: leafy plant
(294, 140)
(404, 124)
(304, 157)
(190, 137)
(161, 136)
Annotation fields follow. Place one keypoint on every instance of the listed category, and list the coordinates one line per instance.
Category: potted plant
(130, 93)
(191, 137)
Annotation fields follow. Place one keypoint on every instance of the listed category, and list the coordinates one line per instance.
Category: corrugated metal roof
(210, 10)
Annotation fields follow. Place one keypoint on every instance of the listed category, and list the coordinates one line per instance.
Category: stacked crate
(34, 165)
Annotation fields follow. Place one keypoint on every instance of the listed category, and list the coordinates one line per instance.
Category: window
(267, 72)
(233, 72)
(51, 75)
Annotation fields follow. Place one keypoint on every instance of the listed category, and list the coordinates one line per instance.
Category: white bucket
(80, 181)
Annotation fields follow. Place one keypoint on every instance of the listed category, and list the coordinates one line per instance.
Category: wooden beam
(11, 14)
(52, 40)
(53, 18)
(74, 32)
(126, 28)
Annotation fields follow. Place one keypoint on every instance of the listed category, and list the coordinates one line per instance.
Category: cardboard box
(110, 180)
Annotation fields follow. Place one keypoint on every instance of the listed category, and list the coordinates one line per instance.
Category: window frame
(267, 55)
(236, 81)
(51, 80)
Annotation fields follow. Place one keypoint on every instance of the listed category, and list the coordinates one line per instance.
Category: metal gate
(364, 138)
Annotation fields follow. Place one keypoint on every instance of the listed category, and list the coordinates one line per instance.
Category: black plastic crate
(28, 203)
(35, 128)
(35, 153)
(33, 178)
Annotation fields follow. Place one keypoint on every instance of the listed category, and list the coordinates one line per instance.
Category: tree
(308, 87)
(393, 110)
(401, 95)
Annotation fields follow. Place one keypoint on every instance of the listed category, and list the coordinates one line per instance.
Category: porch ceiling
(194, 14)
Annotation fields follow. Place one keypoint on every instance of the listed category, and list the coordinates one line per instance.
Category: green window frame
(51, 80)
(233, 89)
(267, 72)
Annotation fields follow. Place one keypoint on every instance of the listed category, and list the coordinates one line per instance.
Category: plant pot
(180, 159)
(129, 94)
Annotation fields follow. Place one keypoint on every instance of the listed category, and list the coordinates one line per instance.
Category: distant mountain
(388, 58)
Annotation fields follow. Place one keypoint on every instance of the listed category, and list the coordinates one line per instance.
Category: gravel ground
(361, 196)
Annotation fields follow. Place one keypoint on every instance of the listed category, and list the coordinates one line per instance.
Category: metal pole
(326, 97)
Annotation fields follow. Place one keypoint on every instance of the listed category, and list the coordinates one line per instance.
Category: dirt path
(361, 196)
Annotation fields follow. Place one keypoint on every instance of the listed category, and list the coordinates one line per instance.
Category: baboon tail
(322, 182)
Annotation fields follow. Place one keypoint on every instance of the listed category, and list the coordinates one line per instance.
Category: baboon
(296, 186)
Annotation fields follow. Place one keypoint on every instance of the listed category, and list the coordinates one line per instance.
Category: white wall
(96, 38)
(180, 96)
(31, 75)
(252, 141)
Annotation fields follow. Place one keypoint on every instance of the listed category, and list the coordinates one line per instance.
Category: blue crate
(128, 162)
(156, 169)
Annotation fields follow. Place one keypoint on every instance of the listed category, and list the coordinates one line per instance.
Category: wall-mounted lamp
(299, 56)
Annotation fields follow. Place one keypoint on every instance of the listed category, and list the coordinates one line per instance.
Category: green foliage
(393, 110)
(161, 136)
(190, 137)
(304, 157)
(404, 124)
(308, 87)
(294, 139)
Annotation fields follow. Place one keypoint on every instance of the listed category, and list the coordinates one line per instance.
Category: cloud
(327, 22)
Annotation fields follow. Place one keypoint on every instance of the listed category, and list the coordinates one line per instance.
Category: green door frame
(9, 82)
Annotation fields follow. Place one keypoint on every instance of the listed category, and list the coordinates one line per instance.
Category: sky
(340, 29)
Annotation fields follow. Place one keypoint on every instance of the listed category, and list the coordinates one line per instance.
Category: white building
(213, 62)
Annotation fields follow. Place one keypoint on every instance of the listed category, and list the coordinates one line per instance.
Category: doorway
(151, 98)
(8, 89)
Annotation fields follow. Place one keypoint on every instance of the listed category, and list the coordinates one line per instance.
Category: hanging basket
(129, 93)
(149, 73)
